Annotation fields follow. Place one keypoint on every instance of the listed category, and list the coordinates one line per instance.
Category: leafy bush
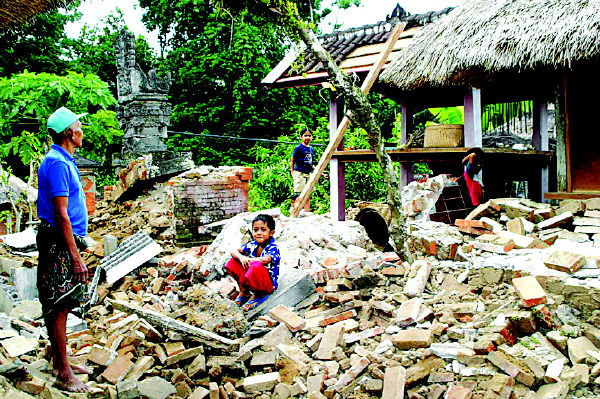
(28, 99)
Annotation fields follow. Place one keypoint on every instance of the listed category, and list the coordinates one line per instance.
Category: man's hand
(80, 270)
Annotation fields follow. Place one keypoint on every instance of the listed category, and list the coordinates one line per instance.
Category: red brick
(478, 224)
(565, 261)
(529, 290)
(456, 392)
(283, 315)
(500, 387)
(474, 231)
(393, 271)
(394, 381)
(338, 317)
(332, 337)
(412, 338)
(118, 368)
(329, 261)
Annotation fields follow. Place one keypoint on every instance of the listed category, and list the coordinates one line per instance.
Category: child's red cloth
(256, 278)
(475, 191)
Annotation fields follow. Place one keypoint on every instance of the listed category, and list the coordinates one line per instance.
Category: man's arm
(64, 225)
(292, 165)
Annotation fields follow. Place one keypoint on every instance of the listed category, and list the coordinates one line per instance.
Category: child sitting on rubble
(255, 266)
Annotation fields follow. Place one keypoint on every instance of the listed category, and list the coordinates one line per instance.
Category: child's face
(261, 232)
(306, 138)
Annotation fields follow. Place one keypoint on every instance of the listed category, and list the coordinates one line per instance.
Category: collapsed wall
(176, 209)
(206, 194)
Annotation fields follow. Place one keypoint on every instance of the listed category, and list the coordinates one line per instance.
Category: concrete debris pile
(394, 329)
(149, 213)
(485, 309)
(419, 197)
(330, 250)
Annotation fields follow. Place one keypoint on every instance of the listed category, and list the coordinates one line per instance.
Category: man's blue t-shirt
(58, 177)
(303, 158)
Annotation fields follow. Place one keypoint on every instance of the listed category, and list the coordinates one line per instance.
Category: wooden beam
(339, 134)
(446, 155)
(168, 323)
(568, 136)
(561, 134)
(337, 178)
(573, 195)
(540, 142)
(472, 131)
(406, 174)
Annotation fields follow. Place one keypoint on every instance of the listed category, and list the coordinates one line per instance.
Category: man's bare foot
(71, 384)
(77, 369)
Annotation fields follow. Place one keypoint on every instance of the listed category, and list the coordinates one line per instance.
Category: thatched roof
(482, 37)
(17, 12)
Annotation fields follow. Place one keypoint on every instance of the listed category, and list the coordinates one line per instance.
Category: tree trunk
(358, 103)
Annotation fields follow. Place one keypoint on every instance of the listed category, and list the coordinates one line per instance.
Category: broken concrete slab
(18, 345)
(156, 388)
(294, 286)
(419, 274)
(133, 252)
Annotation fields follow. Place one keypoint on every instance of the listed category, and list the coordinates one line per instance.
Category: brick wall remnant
(207, 194)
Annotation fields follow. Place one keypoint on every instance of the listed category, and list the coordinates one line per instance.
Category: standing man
(62, 274)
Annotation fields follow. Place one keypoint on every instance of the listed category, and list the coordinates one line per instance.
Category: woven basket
(444, 136)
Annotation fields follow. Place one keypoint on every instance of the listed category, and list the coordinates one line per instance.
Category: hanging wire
(241, 138)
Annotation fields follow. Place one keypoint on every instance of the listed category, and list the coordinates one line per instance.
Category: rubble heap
(502, 305)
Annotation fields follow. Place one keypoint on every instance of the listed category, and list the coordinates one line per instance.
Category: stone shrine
(143, 111)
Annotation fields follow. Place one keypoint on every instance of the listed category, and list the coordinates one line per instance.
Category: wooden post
(339, 134)
(540, 140)
(337, 179)
(561, 136)
(472, 131)
(473, 118)
(406, 173)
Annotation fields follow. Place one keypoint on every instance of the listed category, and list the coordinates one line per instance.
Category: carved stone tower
(143, 111)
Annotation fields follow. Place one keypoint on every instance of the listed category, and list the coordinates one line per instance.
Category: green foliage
(364, 180)
(103, 137)
(272, 184)
(27, 147)
(28, 99)
(38, 46)
(217, 61)
(448, 115)
(7, 217)
(495, 115)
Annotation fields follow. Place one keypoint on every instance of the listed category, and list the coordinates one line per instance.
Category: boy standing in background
(301, 165)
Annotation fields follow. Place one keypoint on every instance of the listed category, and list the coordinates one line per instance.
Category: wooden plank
(373, 49)
(337, 182)
(567, 136)
(366, 60)
(168, 323)
(573, 195)
(472, 127)
(334, 143)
